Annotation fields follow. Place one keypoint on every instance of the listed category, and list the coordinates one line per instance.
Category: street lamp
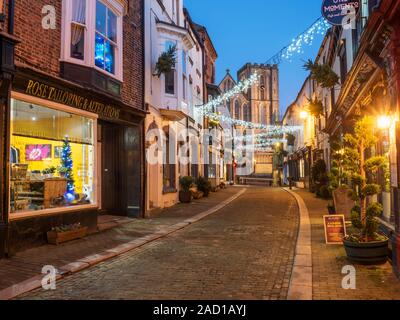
(384, 122)
(303, 115)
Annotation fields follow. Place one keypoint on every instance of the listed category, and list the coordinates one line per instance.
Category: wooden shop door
(121, 170)
(109, 169)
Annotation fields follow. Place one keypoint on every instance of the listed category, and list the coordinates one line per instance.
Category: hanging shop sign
(335, 229)
(51, 93)
(337, 12)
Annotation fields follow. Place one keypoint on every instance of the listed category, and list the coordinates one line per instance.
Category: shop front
(73, 154)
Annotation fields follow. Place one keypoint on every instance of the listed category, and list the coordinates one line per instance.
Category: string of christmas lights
(259, 140)
(271, 129)
(242, 86)
(306, 38)
(319, 27)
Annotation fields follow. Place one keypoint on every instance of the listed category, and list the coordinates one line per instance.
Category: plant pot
(62, 174)
(185, 197)
(54, 237)
(368, 253)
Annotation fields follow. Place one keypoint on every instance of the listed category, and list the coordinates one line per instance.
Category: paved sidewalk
(28, 264)
(373, 282)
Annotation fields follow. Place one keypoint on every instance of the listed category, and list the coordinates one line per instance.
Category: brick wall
(133, 90)
(210, 58)
(210, 63)
(40, 49)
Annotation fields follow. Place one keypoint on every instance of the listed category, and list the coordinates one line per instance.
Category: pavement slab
(372, 282)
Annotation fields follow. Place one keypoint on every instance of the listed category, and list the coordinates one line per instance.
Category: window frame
(96, 188)
(117, 7)
(174, 70)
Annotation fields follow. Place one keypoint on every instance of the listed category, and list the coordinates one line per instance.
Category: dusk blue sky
(254, 30)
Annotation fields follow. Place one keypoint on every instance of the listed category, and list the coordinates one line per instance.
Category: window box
(56, 238)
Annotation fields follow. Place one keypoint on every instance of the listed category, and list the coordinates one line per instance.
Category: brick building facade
(73, 110)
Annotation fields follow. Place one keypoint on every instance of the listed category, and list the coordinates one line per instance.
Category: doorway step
(107, 222)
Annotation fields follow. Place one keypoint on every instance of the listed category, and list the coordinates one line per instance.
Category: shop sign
(44, 91)
(336, 11)
(335, 229)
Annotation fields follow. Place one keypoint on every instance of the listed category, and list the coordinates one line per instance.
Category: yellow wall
(58, 129)
(78, 157)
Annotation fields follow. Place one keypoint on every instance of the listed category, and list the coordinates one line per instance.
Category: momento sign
(335, 229)
(337, 12)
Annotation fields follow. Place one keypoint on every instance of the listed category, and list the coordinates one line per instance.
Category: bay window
(184, 72)
(106, 37)
(92, 34)
(170, 76)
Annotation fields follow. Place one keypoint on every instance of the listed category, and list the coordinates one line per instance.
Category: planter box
(185, 197)
(57, 238)
(368, 253)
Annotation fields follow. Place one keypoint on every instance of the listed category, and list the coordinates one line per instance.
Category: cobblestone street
(244, 251)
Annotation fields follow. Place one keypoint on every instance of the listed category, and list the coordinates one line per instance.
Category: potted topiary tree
(365, 245)
(204, 185)
(185, 195)
(319, 179)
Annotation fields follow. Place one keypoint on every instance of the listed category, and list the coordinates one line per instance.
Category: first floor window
(52, 158)
(169, 168)
(170, 76)
(78, 28)
(106, 37)
(170, 82)
(184, 80)
(97, 41)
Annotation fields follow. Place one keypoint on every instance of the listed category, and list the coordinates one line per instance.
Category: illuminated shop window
(52, 159)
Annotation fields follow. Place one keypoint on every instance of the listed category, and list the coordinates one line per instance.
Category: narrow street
(244, 251)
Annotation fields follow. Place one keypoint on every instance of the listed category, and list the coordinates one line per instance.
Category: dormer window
(92, 34)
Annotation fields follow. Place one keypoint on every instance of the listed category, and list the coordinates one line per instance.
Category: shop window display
(52, 158)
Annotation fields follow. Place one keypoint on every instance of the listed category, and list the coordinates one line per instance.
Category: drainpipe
(7, 71)
(11, 11)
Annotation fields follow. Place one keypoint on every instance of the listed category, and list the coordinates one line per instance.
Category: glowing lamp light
(303, 115)
(384, 122)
